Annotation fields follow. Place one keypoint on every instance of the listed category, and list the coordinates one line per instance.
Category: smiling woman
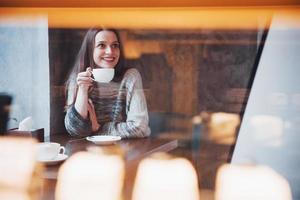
(115, 108)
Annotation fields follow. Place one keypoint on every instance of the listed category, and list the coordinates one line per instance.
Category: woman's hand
(84, 82)
(92, 116)
(84, 79)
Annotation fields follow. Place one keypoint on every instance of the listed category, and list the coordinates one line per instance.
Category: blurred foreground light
(20, 176)
(161, 177)
(91, 176)
(249, 182)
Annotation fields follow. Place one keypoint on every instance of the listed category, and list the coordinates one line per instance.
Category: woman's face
(107, 49)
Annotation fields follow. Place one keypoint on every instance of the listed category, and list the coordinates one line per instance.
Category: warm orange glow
(221, 127)
(148, 3)
(162, 18)
(134, 50)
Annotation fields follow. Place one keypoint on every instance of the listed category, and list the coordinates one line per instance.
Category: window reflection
(191, 60)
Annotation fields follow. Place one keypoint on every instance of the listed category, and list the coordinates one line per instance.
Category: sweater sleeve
(76, 125)
(136, 125)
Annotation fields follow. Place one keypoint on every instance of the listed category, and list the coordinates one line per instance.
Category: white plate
(60, 157)
(103, 139)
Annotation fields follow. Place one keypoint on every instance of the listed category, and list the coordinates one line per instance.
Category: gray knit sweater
(120, 107)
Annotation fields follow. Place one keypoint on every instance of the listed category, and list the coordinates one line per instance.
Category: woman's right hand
(84, 79)
(84, 82)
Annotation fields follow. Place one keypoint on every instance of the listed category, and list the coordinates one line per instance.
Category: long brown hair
(85, 59)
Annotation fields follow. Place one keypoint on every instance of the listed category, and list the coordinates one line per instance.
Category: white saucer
(60, 157)
(103, 139)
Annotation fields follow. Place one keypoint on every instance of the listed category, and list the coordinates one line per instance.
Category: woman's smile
(108, 59)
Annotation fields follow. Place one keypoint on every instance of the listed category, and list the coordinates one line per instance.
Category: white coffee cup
(103, 75)
(49, 150)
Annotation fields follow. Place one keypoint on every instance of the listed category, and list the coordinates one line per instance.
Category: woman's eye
(115, 46)
(101, 46)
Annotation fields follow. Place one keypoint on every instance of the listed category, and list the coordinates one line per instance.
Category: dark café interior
(149, 100)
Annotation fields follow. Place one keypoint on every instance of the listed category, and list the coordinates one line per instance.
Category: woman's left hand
(93, 116)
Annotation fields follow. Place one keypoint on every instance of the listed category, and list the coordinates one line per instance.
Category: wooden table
(133, 150)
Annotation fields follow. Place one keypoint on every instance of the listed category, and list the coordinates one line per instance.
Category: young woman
(115, 108)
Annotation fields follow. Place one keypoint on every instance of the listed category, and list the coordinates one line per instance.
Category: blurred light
(20, 176)
(162, 18)
(247, 182)
(162, 177)
(90, 176)
(134, 50)
(221, 127)
(130, 50)
(267, 129)
(154, 17)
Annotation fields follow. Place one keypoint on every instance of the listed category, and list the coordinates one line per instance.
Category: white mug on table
(49, 150)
